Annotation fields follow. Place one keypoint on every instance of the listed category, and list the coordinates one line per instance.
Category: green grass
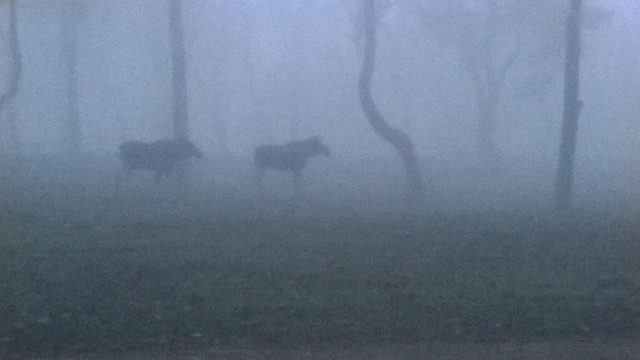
(92, 272)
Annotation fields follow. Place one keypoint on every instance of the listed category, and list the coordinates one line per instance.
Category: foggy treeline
(471, 83)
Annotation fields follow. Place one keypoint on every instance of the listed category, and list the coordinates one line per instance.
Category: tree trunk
(183, 171)
(179, 71)
(488, 80)
(572, 107)
(395, 137)
(15, 72)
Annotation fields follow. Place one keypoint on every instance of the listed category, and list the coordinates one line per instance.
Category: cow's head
(318, 147)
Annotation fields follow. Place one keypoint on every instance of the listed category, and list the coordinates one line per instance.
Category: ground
(618, 349)
(217, 273)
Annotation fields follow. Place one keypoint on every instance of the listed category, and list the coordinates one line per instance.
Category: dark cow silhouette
(292, 156)
(159, 156)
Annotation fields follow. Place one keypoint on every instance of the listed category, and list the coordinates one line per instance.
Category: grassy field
(222, 265)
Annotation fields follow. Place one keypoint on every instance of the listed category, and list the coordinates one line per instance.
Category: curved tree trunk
(572, 107)
(394, 136)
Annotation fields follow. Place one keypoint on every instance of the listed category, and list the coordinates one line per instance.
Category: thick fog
(307, 202)
(270, 72)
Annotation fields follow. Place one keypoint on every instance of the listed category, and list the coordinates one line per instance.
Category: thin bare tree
(388, 133)
(491, 40)
(572, 107)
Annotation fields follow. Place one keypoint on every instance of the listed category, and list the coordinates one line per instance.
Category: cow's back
(279, 157)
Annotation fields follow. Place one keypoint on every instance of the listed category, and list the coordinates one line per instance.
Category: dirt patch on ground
(619, 349)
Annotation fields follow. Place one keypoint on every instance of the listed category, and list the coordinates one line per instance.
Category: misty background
(471, 91)
(274, 71)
